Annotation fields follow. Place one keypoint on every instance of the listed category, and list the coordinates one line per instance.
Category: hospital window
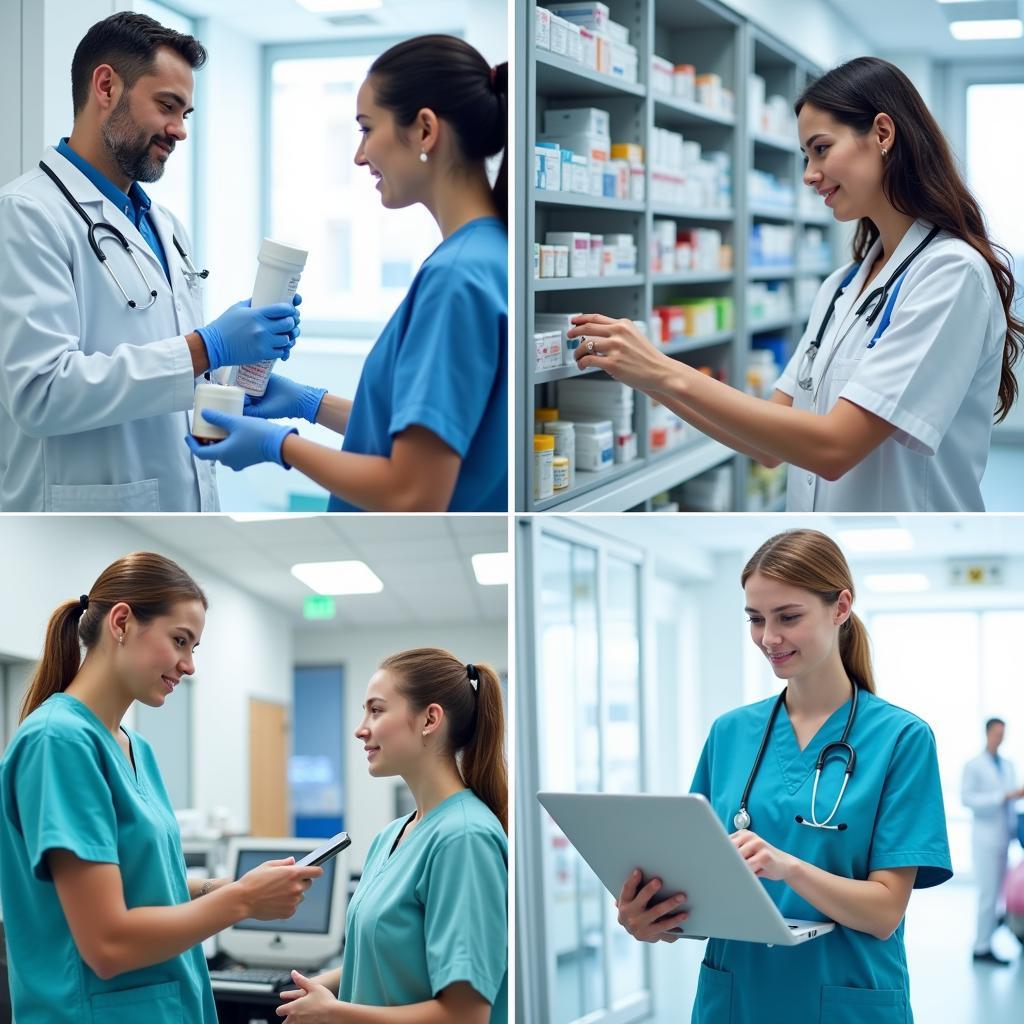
(315, 768)
(585, 706)
(175, 188)
(313, 107)
(913, 664)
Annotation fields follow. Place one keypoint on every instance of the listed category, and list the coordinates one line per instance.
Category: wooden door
(268, 769)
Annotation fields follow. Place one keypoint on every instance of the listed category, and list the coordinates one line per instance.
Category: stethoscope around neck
(842, 747)
(875, 302)
(190, 271)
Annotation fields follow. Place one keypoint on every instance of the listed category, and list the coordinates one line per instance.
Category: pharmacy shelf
(819, 270)
(572, 284)
(771, 273)
(693, 277)
(689, 213)
(641, 482)
(545, 198)
(570, 79)
(715, 38)
(672, 112)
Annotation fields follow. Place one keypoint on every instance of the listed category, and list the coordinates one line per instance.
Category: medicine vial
(280, 267)
(223, 398)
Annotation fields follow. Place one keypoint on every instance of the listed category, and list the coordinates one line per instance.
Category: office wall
(370, 802)
(246, 649)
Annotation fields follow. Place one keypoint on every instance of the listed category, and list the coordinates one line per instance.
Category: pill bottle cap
(543, 443)
(545, 415)
(283, 252)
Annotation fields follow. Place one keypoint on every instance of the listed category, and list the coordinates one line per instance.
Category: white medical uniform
(984, 790)
(933, 374)
(93, 395)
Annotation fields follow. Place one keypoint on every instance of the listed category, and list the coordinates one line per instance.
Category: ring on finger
(590, 345)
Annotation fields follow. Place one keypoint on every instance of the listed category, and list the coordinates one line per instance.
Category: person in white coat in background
(101, 311)
(990, 790)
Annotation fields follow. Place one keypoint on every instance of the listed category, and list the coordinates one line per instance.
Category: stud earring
(423, 156)
(884, 151)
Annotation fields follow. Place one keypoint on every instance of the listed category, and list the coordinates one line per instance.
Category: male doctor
(990, 790)
(99, 351)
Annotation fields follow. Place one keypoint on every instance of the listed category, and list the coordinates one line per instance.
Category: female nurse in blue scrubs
(102, 923)
(427, 429)
(856, 863)
(427, 929)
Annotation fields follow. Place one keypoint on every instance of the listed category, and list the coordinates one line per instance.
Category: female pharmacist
(848, 848)
(427, 429)
(887, 403)
(101, 922)
(426, 939)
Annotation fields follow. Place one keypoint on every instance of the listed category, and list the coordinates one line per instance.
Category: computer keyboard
(251, 979)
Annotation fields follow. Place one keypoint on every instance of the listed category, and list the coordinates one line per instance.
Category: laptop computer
(679, 840)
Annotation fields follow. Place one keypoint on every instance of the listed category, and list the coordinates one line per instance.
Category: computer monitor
(313, 934)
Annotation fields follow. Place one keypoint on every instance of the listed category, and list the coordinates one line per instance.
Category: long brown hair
(812, 561)
(919, 179)
(149, 583)
(476, 718)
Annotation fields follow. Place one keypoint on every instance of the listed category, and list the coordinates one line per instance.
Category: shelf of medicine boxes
(545, 198)
(568, 79)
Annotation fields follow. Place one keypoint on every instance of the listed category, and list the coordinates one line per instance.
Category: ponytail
(855, 651)
(812, 561)
(149, 583)
(483, 758)
(476, 716)
(62, 656)
(448, 76)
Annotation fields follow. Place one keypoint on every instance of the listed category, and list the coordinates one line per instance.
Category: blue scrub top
(66, 784)
(893, 807)
(135, 205)
(442, 363)
(432, 913)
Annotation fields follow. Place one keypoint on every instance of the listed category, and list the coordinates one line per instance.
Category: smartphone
(330, 849)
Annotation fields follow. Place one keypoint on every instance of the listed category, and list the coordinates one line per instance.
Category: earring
(423, 156)
(884, 151)
(120, 640)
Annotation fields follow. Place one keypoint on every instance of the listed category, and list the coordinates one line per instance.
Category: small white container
(564, 433)
(277, 280)
(595, 445)
(543, 468)
(547, 261)
(560, 472)
(561, 260)
(223, 398)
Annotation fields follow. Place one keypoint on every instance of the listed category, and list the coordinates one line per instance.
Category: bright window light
(897, 582)
(335, 578)
(491, 570)
(876, 541)
(996, 28)
(266, 517)
(339, 6)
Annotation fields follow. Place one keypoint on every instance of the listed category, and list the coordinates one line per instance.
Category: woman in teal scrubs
(101, 922)
(427, 929)
(886, 837)
(427, 430)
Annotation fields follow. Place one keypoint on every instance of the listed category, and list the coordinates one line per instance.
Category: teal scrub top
(894, 813)
(432, 913)
(66, 784)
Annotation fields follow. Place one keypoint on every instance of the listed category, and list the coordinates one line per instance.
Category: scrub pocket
(714, 996)
(856, 1005)
(839, 376)
(152, 1004)
(137, 496)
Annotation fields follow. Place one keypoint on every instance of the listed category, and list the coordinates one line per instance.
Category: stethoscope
(192, 275)
(875, 302)
(841, 747)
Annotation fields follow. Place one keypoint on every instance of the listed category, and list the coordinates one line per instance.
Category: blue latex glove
(242, 335)
(249, 441)
(285, 399)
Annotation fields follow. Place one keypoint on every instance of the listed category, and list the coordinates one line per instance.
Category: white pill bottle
(280, 267)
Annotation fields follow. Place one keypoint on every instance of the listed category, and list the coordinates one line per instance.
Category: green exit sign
(317, 607)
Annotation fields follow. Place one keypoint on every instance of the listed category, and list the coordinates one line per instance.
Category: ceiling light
(339, 6)
(897, 582)
(335, 578)
(1009, 28)
(873, 542)
(492, 570)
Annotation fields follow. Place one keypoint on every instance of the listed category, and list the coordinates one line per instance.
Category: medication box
(577, 119)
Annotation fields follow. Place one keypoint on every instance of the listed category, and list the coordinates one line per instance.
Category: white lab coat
(933, 374)
(983, 790)
(93, 395)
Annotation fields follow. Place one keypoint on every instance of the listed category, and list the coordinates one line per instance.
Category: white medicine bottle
(280, 267)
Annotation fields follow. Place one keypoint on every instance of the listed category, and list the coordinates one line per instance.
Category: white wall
(369, 803)
(246, 649)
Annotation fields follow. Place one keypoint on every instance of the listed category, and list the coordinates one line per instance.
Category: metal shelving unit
(714, 39)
